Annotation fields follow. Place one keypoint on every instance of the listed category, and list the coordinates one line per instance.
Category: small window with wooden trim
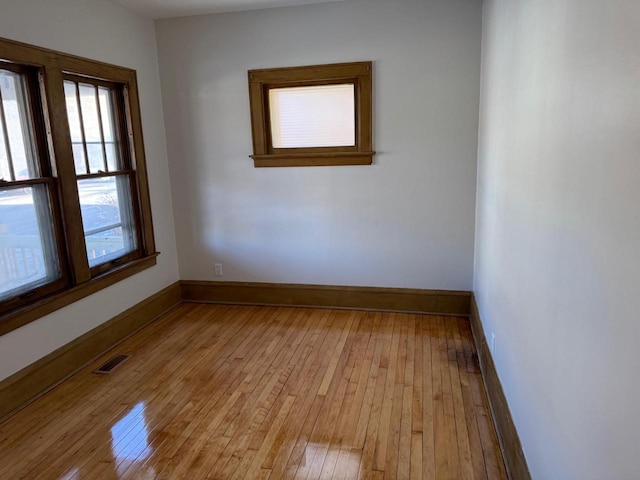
(75, 214)
(312, 116)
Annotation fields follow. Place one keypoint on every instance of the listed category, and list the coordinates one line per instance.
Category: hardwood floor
(226, 392)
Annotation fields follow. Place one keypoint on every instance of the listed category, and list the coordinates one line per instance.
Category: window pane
(93, 129)
(17, 158)
(5, 171)
(92, 132)
(320, 116)
(114, 162)
(28, 256)
(107, 218)
(75, 127)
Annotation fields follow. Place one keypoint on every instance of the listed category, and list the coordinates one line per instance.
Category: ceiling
(180, 8)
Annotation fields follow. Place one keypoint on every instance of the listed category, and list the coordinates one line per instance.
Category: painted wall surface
(406, 221)
(558, 228)
(103, 31)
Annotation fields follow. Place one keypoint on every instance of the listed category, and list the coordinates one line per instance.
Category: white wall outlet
(217, 269)
(493, 343)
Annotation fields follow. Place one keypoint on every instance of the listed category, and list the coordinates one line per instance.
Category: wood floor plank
(405, 442)
(351, 373)
(416, 456)
(304, 449)
(462, 434)
(428, 403)
(393, 443)
(361, 401)
(385, 426)
(417, 420)
(375, 371)
(326, 381)
(306, 397)
(438, 345)
(300, 454)
(235, 392)
(466, 356)
(367, 467)
(324, 428)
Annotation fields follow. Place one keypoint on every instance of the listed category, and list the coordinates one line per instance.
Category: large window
(74, 206)
(102, 168)
(312, 116)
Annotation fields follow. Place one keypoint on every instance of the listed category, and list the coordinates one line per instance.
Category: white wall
(558, 228)
(99, 30)
(407, 221)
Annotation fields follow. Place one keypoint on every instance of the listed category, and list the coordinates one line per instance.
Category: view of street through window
(21, 249)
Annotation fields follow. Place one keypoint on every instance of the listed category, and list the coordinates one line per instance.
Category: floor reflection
(130, 439)
(345, 462)
(72, 474)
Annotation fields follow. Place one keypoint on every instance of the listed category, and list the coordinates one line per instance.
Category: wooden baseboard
(38, 378)
(441, 302)
(512, 452)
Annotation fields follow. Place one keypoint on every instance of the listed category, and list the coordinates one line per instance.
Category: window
(312, 116)
(74, 207)
(102, 169)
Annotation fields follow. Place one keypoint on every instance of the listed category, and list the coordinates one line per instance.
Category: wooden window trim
(78, 280)
(261, 81)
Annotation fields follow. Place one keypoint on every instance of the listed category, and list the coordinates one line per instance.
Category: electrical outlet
(217, 268)
(493, 343)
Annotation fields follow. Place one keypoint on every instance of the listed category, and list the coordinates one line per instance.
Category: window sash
(103, 254)
(33, 218)
(100, 101)
(34, 249)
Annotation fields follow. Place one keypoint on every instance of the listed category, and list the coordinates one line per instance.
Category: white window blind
(307, 117)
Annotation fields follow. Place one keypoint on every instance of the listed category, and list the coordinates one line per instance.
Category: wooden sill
(313, 159)
(47, 305)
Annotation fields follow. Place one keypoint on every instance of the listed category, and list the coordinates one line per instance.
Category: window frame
(52, 140)
(121, 126)
(261, 81)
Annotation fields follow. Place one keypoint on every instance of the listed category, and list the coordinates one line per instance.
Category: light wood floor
(227, 392)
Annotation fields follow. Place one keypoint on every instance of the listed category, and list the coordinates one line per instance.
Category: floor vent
(111, 365)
